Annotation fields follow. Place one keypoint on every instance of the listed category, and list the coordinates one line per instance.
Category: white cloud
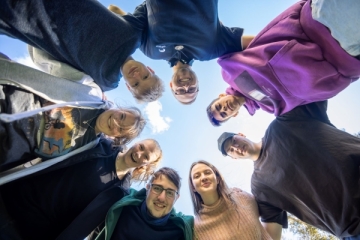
(26, 60)
(158, 123)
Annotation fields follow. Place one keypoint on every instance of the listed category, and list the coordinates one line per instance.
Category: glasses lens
(192, 90)
(170, 193)
(157, 189)
(181, 91)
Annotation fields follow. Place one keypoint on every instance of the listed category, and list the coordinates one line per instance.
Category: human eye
(141, 147)
(157, 189)
(136, 84)
(217, 107)
(196, 176)
(170, 193)
(146, 77)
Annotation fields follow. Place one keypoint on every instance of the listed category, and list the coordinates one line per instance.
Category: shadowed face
(224, 107)
(203, 179)
(114, 122)
(184, 85)
(142, 153)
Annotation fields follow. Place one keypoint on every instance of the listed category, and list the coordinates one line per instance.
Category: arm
(245, 41)
(115, 9)
(274, 230)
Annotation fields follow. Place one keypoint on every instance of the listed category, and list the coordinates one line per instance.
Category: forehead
(200, 167)
(165, 182)
(228, 143)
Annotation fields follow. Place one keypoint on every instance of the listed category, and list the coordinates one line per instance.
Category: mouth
(133, 157)
(229, 106)
(206, 184)
(109, 122)
(159, 206)
(132, 70)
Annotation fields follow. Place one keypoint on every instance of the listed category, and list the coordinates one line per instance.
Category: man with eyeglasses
(149, 213)
(180, 32)
(305, 166)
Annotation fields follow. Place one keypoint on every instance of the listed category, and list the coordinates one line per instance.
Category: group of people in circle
(65, 164)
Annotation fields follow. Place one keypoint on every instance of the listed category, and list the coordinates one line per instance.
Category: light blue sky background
(184, 132)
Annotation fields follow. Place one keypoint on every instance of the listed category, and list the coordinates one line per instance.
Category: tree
(305, 231)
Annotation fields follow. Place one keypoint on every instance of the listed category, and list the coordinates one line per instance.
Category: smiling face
(139, 78)
(225, 106)
(114, 122)
(239, 147)
(204, 180)
(159, 205)
(142, 153)
(184, 85)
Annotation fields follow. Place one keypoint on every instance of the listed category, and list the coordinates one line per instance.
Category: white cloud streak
(158, 123)
(26, 60)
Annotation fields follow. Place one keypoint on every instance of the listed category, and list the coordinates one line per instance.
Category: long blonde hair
(143, 173)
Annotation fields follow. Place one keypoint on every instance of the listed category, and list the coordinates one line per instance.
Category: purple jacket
(293, 61)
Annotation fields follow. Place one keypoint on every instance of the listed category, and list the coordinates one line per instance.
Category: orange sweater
(222, 221)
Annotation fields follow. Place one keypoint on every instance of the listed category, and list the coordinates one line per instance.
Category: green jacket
(135, 198)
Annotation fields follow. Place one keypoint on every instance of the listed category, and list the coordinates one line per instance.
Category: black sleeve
(315, 110)
(139, 17)
(269, 213)
(230, 40)
(93, 215)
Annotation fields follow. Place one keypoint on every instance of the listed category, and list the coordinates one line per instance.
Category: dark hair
(222, 188)
(213, 121)
(170, 173)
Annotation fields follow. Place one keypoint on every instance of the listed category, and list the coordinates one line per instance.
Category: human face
(184, 85)
(114, 122)
(138, 77)
(224, 107)
(159, 205)
(239, 147)
(204, 179)
(141, 153)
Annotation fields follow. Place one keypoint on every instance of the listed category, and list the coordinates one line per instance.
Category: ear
(222, 95)
(242, 135)
(235, 114)
(152, 71)
(177, 197)
(147, 186)
(171, 85)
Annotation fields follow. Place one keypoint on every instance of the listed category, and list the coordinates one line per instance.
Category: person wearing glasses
(305, 166)
(222, 212)
(149, 213)
(68, 200)
(298, 58)
(203, 37)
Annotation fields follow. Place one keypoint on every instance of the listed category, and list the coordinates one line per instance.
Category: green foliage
(305, 231)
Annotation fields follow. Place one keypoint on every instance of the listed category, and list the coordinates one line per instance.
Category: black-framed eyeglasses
(158, 189)
(182, 90)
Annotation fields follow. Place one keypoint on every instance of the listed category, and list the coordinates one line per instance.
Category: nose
(136, 75)
(162, 196)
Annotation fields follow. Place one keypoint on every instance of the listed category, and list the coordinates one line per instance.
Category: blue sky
(184, 132)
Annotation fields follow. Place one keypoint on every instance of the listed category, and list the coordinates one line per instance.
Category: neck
(210, 198)
(120, 166)
(240, 100)
(258, 147)
(180, 65)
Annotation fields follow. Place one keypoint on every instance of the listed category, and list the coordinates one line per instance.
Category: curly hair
(152, 94)
(143, 173)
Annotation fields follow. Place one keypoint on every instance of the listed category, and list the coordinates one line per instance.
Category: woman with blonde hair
(48, 204)
(222, 212)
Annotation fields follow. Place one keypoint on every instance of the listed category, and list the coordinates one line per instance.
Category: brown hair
(170, 173)
(144, 172)
(222, 188)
